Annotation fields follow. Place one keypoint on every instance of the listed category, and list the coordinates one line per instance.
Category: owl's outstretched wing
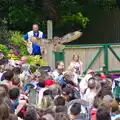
(69, 37)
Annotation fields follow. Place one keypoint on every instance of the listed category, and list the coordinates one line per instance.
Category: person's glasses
(37, 76)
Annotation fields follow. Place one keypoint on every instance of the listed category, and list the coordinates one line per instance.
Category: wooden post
(49, 29)
(50, 53)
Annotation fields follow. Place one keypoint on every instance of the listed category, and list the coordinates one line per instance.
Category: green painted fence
(111, 54)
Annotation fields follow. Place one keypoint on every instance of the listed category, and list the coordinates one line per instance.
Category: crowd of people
(60, 94)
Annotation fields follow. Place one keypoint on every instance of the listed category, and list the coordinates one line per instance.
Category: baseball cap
(49, 82)
(66, 91)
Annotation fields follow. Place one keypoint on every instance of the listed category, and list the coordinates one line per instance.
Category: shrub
(4, 49)
(16, 40)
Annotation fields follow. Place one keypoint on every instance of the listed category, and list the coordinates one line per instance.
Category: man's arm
(43, 36)
(26, 36)
(25, 39)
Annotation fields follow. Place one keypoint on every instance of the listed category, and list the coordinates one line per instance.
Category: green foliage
(22, 14)
(4, 49)
(4, 35)
(13, 57)
(16, 39)
(36, 60)
(107, 4)
(78, 18)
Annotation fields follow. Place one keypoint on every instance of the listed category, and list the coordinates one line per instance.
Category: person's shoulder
(40, 32)
(30, 32)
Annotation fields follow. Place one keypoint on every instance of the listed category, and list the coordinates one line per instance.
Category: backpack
(75, 91)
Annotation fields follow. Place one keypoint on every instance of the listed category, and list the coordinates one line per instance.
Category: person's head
(17, 70)
(16, 81)
(37, 76)
(8, 75)
(71, 69)
(114, 106)
(96, 102)
(4, 110)
(60, 65)
(47, 117)
(67, 94)
(3, 92)
(60, 109)
(59, 101)
(74, 110)
(46, 102)
(102, 114)
(91, 83)
(76, 58)
(13, 117)
(105, 105)
(97, 76)
(68, 75)
(35, 28)
(42, 83)
(14, 94)
(98, 86)
(23, 60)
(8, 101)
(56, 90)
(31, 115)
(105, 90)
(62, 116)
(4, 87)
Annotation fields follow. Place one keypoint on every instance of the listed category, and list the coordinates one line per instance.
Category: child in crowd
(16, 103)
(8, 79)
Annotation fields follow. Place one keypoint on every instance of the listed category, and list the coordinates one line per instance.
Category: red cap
(49, 82)
(103, 77)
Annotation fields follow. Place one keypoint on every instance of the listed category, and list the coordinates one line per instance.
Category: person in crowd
(8, 79)
(17, 71)
(102, 114)
(77, 64)
(74, 111)
(55, 90)
(34, 49)
(59, 102)
(31, 115)
(74, 76)
(62, 116)
(16, 103)
(4, 110)
(59, 70)
(16, 82)
(67, 94)
(3, 91)
(90, 92)
(35, 81)
(54, 95)
(83, 85)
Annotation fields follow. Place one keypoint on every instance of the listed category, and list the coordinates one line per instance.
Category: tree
(64, 13)
(107, 4)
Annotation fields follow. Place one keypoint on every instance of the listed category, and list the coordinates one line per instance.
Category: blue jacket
(35, 48)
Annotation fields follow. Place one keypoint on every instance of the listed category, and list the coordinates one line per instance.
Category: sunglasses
(37, 76)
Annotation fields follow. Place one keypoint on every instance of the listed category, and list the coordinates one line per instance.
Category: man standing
(33, 49)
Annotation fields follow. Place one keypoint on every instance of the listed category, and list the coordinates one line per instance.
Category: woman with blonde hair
(4, 110)
(46, 103)
(77, 64)
(72, 73)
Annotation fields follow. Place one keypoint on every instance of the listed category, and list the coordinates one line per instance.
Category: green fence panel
(59, 56)
(106, 55)
(99, 51)
(118, 58)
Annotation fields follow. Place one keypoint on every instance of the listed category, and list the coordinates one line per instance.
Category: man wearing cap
(67, 94)
(33, 49)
